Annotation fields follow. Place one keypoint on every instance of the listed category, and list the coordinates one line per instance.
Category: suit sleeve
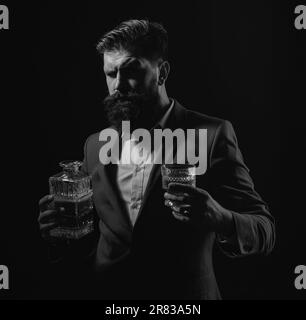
(232, 186)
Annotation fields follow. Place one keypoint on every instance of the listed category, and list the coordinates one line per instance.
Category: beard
(140, 109)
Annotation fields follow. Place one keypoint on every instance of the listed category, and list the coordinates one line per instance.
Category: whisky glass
(179, 173)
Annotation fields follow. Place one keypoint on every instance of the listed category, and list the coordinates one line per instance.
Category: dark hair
(141, 37)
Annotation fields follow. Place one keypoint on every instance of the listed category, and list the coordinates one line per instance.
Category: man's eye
(130, 73)
(111, 74)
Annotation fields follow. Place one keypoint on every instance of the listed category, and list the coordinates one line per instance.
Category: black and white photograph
(153, 151)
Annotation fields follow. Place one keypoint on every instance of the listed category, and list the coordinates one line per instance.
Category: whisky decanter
(71, 189)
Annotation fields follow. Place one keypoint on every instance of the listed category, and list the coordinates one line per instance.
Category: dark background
(237, 60)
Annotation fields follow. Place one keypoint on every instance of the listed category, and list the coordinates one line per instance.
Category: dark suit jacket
(161, 257)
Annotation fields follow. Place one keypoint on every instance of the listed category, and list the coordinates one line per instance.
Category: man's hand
(196, 207)
(49, 217)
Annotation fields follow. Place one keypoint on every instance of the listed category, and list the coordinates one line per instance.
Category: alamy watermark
(300, 280)
(4, 17)
(300, 20)
(190, 147)
(4, 277)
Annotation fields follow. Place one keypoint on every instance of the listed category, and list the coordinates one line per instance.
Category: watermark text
(4, 17)
(4, 277)
(154, 147)
(300, 20)
(300, 280)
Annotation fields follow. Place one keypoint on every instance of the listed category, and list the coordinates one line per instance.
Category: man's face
(133, 89)
(127, 73)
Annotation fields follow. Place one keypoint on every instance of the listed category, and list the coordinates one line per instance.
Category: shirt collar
(162, 122)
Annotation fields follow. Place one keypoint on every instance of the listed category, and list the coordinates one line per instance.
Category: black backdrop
(239, 60)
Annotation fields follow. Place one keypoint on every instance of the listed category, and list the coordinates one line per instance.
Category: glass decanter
(71, 189)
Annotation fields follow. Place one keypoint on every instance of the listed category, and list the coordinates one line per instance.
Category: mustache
(138, 108)
(120, 107)
(130, 106)
(119, 98)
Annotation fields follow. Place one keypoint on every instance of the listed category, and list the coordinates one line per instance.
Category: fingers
(182, 188)
(187, 191)
(48, 215)
(180, 217)
(169, 203)
(46, 227)
(181, 212)
(181, 209)
(44, 202)
(178, 207)
(45, 231)
(177, 197)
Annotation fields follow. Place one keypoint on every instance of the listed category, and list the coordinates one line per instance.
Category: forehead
(121, 59)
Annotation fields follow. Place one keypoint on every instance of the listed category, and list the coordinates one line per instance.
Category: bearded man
(147, 248)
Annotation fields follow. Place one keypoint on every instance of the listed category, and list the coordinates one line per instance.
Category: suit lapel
(109, 189)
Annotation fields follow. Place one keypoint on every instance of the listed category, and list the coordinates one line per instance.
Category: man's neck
(162, 105)
(164, 101)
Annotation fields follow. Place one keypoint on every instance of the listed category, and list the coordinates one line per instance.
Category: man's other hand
(197, 207)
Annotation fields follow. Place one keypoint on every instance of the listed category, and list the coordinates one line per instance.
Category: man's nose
(120, 84)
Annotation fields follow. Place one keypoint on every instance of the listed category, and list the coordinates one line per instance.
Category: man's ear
(164, 72)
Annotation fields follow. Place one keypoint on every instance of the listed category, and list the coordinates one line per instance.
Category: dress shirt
(132, 179)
